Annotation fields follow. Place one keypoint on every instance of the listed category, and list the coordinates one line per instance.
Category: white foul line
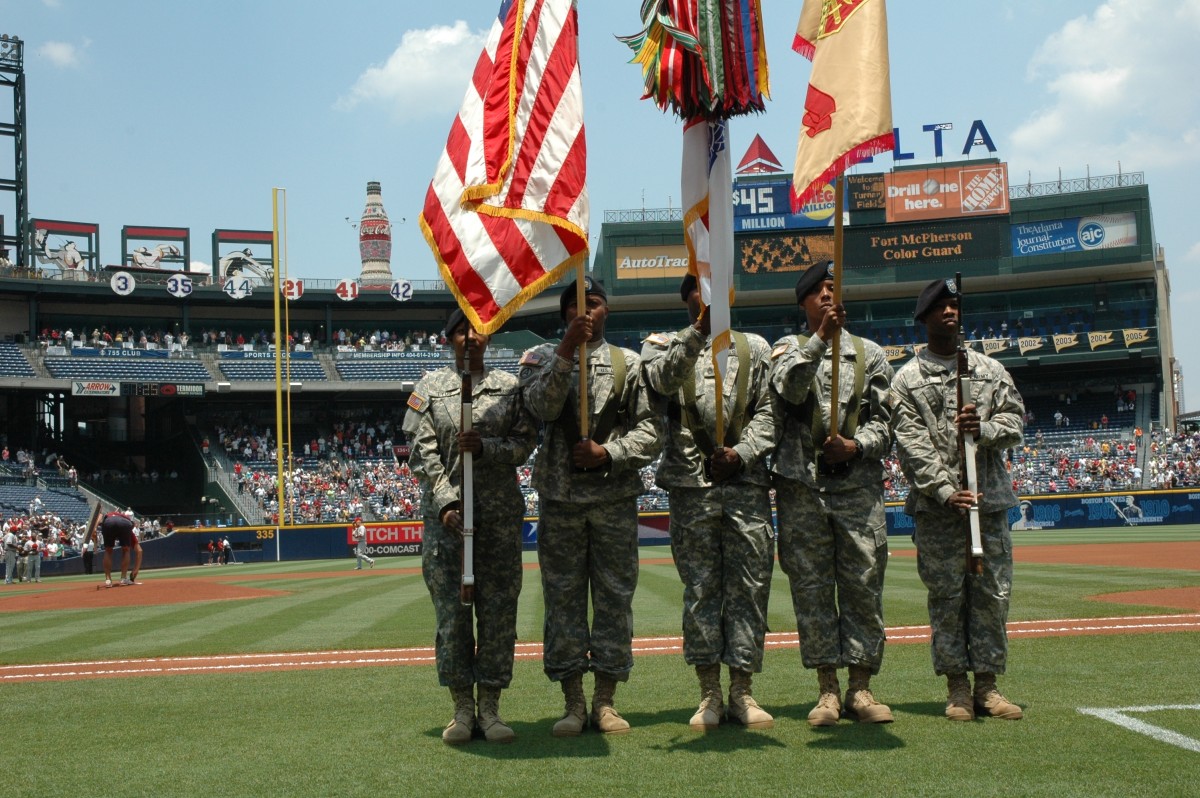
(1120, 718)
(265, 661)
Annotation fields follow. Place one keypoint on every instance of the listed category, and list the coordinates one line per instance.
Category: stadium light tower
(12, 76)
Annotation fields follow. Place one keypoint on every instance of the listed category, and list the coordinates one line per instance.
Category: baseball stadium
(246, 418)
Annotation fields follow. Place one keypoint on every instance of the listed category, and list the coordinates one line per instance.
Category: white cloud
(1115, 86)
(426, 74)
(61, 54)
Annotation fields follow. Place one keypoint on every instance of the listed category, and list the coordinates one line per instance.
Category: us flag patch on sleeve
(417, 402)
(659, 339)
(530, 358)
(779, 350)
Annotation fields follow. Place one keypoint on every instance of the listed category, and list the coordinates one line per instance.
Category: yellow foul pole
(276, 193)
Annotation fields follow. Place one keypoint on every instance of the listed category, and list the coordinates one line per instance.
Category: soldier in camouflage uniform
(721, 535)
(967, 612)
(829, 497)
(588, 531)
(502, 436)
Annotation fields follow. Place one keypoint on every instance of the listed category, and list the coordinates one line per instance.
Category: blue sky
(173, 114)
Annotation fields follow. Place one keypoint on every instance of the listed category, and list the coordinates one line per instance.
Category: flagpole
(581, 307)
(836, 356)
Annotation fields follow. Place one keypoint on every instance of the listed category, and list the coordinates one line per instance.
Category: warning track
(646, 646)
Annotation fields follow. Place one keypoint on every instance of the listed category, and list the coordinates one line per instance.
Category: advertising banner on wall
(400, 538)
(1142, 508)
(766, 205)
(947, 191)
(1078, 234)
(641, 263)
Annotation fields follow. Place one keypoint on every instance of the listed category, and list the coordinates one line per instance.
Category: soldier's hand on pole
(703, 323)
(578, 333)
(470, 441)
(586, 453)
(968, 421)
(833, 320)
(726, 464)
(839, 449)
(452, 520)
(963, 500)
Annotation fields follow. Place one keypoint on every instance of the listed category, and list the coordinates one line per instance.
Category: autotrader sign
(947, 191)
(95, 388)
(650, 262)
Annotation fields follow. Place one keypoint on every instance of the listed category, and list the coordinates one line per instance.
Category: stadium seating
(264, 370)
(13, 362)
(386, 370)
(67, 504)
(128, 369)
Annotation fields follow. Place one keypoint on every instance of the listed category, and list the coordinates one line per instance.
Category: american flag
(507, 211)
(708, 224)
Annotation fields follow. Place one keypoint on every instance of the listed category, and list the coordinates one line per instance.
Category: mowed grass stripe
(317, 733)
(100, 634)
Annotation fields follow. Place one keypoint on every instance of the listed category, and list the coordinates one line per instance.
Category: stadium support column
(12, 76)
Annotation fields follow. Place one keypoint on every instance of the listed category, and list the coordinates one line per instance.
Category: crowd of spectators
(353, 469)
(43, 535)
(1174, 459)
(1086, 464)
(100, 337)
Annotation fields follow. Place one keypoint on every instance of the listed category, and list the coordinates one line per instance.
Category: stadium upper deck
(1068, 288)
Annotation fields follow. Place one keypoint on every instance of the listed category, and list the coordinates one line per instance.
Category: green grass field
(375, 730)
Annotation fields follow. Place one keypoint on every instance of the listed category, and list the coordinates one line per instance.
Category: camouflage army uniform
(721, 535)
(432, 425)
(587, 530)
(968, 613)
(832, 529)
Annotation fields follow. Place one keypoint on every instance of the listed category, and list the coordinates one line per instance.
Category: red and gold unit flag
(848, 108)
(507, 211)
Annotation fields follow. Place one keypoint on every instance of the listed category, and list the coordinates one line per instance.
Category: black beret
(687, 286)
(590, 287)
(812, 278)
(934, 293)
(456, 318)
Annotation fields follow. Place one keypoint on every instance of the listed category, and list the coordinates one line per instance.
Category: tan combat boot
(712, 707)
(959, 705)
(459, 730)
(604, 715)
(495, 730)
(742, 706)
(574, 717)
(989, 701)
(829, 702)
(860, 703)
